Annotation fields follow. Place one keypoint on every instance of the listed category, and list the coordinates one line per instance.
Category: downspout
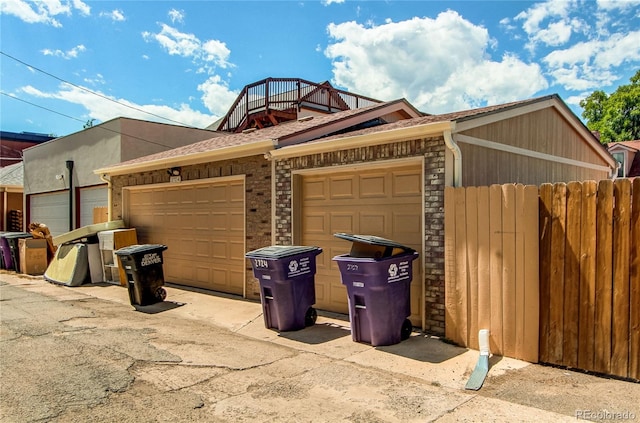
(457, 158)
(103, 178)
(70, 169)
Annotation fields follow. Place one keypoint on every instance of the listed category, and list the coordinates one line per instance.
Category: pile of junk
(84, 255)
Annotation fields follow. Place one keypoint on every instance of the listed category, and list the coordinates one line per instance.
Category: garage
(382, 201)
(203, 225)
(52, 209)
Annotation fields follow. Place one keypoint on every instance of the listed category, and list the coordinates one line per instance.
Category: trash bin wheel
(161, 294)
(406, 330)
(310, 317)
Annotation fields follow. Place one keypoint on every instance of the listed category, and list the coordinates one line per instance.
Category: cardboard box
(33, 256)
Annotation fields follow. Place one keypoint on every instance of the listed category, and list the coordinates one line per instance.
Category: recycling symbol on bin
(393, 270)
(293, 266)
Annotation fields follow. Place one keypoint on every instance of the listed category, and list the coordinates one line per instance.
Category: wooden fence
(553, 272)
(491, 268)
(590, 276)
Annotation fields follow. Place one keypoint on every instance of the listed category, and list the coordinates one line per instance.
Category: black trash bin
(377, 274)
(145, 276)
(287, 285)
(11, 241)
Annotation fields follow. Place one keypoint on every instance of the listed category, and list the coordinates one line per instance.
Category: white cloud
(549, 23)
(216, 95)
(329, 2)
(176, 15)
(617, 4)
(82, 7)
(438, 64)
(103, 109)
(208, 54)
(591, 64)
(42, 11)
(115, 15)
(69, 54)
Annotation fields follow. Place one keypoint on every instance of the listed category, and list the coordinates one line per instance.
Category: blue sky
(65, 62)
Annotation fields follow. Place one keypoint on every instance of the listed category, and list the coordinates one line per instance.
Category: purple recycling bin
(379, 295)
(10, 249)
(287, 285)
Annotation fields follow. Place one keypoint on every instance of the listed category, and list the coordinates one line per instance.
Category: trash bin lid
(140, 249)
(10, 235)
(280, 251)
(373, 240)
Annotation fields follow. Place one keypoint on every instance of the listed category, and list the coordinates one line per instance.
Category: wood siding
(544, 131)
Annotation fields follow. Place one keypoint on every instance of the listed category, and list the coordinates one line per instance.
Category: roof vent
(249, 130)
(305, 118)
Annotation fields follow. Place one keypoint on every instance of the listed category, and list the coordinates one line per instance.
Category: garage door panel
(374, 223)
(236, 250)
(408, 224)
(316, 223)
(314, 189)
(236, 193)
(342, 188)
(236, 221)
(342, 222)
(406, 184)
(202, 225)
(220, 250)
(373, 186)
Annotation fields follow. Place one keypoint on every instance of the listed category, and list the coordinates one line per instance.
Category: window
(620, 159)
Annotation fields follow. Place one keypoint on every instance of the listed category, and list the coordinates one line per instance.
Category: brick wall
(257, 173)
(433, 151)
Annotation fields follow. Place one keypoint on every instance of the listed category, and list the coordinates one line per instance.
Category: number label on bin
(399, 272)
(260, 263)
(352, 267)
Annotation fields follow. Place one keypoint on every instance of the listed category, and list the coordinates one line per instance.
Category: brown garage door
(383, 202)
(202, 225)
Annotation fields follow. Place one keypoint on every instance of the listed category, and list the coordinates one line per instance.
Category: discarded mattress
(70, 265)
(87, 231)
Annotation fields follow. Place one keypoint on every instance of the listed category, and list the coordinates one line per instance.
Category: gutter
(103, 177)
(356, 141)
(225, 153)
(457, 158)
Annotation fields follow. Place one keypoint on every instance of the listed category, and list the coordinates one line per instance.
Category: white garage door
(52, 209)
(90, 198)
(383, 202)
(201, 223)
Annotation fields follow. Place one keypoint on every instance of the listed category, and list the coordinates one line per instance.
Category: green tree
(615, 116)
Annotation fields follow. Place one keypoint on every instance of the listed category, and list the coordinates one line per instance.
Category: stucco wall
(433, 151)
(90, 149)
(257, 173)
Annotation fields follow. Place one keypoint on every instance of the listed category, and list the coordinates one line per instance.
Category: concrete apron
(442, 369)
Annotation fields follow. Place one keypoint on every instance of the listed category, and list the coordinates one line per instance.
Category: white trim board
(528, 153)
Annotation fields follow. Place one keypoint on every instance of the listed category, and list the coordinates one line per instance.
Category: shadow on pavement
(158, 307)
(318, 333)
(425, 349)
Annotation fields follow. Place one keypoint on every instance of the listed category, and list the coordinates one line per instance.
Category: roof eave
(364, 140)
(226, 153)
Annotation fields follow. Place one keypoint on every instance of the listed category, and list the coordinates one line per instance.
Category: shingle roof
(271, 133)
(453, 116)
(635, 145)
(12, 175)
